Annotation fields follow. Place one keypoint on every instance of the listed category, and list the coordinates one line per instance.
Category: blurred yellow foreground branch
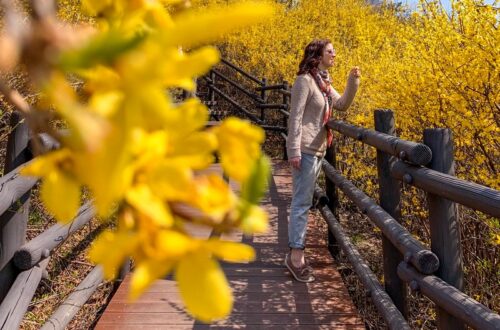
(140, 155)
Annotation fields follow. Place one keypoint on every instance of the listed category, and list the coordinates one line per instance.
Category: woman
(312, 102)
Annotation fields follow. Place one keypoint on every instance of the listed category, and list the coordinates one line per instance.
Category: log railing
(247, 86)
(435, 271)
(22, 264)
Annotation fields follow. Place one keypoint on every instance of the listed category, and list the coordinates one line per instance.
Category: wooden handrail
(382, 301)
(242, 89)
(415, 253)
(242, 72)
(68, 309)
(14, 185)
(467, 193)
(285, 92)
(389, 191)
(451, 299)
(454, 307)
(412, 156)
(17, 301)
(272, 106)
(41, 246)
(271, 87)
(416, 153)
(237, 106)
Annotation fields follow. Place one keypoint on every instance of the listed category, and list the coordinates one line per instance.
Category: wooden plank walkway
(266, 296)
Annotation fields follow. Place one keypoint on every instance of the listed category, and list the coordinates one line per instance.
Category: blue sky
(446, 3)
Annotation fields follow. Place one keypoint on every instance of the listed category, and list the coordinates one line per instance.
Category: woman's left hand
(355, 72)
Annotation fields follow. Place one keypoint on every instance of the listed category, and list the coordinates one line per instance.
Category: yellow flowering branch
(141, 155)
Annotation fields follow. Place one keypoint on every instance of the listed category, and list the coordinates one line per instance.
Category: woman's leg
(304, 181)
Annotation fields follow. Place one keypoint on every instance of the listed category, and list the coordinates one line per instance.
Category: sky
(412, 4)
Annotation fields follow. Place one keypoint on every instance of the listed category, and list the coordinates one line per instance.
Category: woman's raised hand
(355, 72)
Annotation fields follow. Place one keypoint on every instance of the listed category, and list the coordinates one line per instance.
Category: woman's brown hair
(312, 55)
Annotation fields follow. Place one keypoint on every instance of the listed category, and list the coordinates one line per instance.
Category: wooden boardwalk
(266, 296)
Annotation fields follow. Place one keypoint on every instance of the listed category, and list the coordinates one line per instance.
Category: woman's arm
(343, 102)
(300, 93)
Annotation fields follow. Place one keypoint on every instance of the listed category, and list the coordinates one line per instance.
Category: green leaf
(102, 49)
(256, 185)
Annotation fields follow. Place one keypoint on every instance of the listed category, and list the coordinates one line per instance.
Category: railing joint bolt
(402, 155)
(407, 178)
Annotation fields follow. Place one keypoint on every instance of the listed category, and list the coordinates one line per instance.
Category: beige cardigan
(306, 132)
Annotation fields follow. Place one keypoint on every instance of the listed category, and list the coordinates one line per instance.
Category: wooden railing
(436, 272)
(22, 264)
(255, 90)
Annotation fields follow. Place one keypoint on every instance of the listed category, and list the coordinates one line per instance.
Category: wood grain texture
(32, 252)
(384, 304)
(68, 309)
(413, 152)
(17, 301)
(443, 221)
(470, 194)
(453, 301)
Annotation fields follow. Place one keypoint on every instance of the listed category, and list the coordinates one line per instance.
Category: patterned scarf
(324, 83)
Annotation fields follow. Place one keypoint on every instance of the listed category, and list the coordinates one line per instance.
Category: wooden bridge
(266, 296)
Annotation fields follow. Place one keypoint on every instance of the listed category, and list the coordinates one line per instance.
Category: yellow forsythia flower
(60, 191)
(239, 146)
(111, 249)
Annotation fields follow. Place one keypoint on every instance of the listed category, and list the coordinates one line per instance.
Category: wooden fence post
(286, 102)
(14, 221)
(211, 94)
(443, 218)
(390, 201)
(333, 200)
(263, 98)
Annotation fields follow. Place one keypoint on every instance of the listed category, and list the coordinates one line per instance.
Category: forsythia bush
(142, 157)
(434, 69)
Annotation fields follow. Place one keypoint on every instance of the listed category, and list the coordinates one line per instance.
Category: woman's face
(328, 57)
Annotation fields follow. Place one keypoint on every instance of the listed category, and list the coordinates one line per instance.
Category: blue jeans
(304, 181)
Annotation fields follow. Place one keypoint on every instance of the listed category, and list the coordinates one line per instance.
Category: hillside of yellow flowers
(431, 67)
